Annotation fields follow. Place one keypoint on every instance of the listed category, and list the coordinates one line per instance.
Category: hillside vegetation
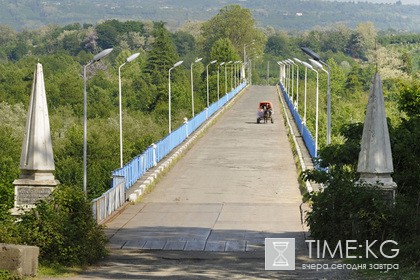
(284, 14)
(354, 55)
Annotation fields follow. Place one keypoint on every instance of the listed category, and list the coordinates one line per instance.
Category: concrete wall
(20, 260)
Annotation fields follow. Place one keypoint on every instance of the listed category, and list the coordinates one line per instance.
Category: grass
(58, 270)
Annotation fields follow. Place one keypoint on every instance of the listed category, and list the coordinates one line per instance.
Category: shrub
(345, 211)
(64, 229)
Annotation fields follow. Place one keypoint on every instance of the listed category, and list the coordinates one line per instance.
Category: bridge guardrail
(104, 205)
(308, 139)
(110, 201)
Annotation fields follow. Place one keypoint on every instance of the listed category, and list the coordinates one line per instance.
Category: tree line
(354, 55)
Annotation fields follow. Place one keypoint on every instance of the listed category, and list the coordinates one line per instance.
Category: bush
(5, 275)
(345, 211)
(64, 229)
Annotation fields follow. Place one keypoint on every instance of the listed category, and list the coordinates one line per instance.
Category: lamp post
(287, 76)
(207, 73)
(236, 72)
(129, 59)
(306, 74)
(318, 65)
(245, 57)
(226, 64)
(316, 114)
(250, 71)
(231, 74)
(317, 106)
(279, 64)
(218, 83)
(317, 58)
(192, 85)
(96, 58)
(293, 78)
(297, 83)
(169, 91)
(243, 67)
(246, 45)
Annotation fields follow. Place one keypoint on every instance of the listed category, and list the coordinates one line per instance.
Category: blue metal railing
(138, 166)
(308, 139)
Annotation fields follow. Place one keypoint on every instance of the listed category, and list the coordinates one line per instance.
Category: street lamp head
(307, 65)
(178, 63)
(297, 60)
(229, 62)
(311, 53)
(279, 62)
(198, 60)
(291, 61)
(316, 64)
(132, 57)
(102, 54)
(213, 62)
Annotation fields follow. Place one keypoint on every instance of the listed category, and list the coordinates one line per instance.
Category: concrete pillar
(187, 134)
(19, 260)
(154, 154)
(375, 157)
(36, 179)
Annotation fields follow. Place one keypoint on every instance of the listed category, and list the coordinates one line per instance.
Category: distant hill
(404, 2)
(280, 14)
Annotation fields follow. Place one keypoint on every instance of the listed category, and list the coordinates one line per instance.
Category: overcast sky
(417, 2)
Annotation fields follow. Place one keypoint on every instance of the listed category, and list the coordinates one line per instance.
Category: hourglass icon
(280, 247)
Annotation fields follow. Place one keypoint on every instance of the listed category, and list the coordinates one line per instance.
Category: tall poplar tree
(160, 59)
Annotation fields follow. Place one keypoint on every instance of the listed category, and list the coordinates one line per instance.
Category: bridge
(209, 215)
(236, 186)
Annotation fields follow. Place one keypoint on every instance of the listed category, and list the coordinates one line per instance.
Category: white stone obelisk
(37, 161)
(375, 158)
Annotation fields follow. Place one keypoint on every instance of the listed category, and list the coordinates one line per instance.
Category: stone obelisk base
(28, 192)
(383, 181)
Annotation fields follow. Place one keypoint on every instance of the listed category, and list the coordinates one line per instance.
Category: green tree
(223, 51)
(160, 59)
(336, 39)
(108, 36)
(185, 43)
(406, 151)
(355, 48)
(278, 45)
(408, 63)
(235, 23)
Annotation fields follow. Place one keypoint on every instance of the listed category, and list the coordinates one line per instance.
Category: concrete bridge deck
(236, 186)
(208, 217)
